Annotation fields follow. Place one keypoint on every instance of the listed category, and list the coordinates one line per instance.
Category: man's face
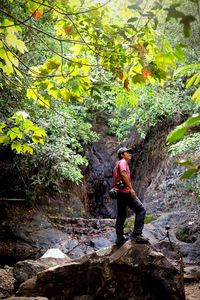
(126, 155)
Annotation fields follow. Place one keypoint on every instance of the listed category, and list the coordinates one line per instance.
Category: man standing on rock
(126, 197)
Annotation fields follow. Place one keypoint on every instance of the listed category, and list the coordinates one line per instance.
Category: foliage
(55, 55)
(188, 145)
(21, 133)
(154, 105)
(193, 71)
(62, 156)
(78, 40)
(180, 130)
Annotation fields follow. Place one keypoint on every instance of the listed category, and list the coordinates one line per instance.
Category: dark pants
(125, 200)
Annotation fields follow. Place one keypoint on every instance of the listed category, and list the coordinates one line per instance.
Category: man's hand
(133, 193)
(128, 183)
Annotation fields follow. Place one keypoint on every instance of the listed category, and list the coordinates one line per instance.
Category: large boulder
(131, 272)
(23, 270)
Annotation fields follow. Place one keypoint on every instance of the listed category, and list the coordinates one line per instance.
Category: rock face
(131, 272)
(189, 245)
(30, 238)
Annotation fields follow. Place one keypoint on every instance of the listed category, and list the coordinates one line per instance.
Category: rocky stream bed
(88, 244)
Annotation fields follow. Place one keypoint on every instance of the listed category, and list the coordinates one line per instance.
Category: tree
(78, 37)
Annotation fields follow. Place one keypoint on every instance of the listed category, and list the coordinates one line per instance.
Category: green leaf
(173, 12)
(52, 64)
(176, 134)
(185, 162)
(133, 19)
(187, 30)
(197, 79)
(138, 78)
(14, 132)
(27, 148)
(4, 139)
(16, 146)
(188, 173)
(39, 131)
(196, 96)
(192, 121)
(179, 52)
(37, 139)
(134, 7)
(191, 81)
(2, 125)
(186, 20)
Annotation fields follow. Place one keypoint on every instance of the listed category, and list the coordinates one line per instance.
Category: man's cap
(122, 150)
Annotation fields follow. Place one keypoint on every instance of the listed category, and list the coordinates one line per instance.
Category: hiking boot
(120, 241)
(139, 239)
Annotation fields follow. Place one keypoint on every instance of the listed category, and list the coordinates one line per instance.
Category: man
(127, 197)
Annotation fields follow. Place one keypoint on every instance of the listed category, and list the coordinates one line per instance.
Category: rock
(6, 282)
(26, 269)
(23, 270)
(143, 273)
(27, 298)
(54, 253)
(192, 273)
(29, 239)
(156, 232)
(192, 291)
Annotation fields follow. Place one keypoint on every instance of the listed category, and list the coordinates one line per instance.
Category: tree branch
(71, 14)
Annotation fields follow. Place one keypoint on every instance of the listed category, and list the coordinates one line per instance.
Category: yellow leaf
(50, 85)
(4, 139)
(61, 80)
(162, 82)
(12, 59)
(3, 54)
(54, 93)
(20, 45)
(31, 94)
(8, 69)
(14, 132)
(196, 95)
(8, 23)
(2, 125)
(152, 80)
(16, 146)
(44, 102)
(37, 139)
(85, 70)
(11, 39)
(65, 94)
(76, 49)
(19, 73)
(27, 148)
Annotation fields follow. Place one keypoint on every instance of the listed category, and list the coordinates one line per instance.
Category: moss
(129, 223)
(181, 235)
(149, 218)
